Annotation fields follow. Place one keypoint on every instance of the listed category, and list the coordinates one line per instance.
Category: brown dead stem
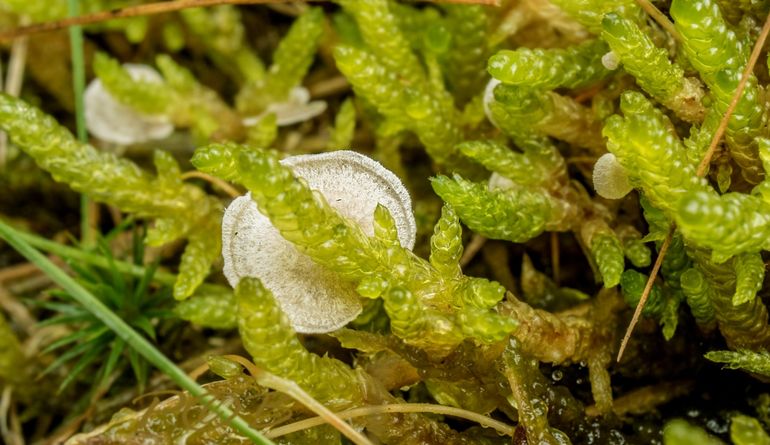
(17, 271)
(216, 182)
(160, 8)
(482, 420)
(70, 428)
(574, 335)
(18, 312)
(294, 391)
(660, 18)
(473, 247)
(645, 399)
(647, 290)
(555, 258)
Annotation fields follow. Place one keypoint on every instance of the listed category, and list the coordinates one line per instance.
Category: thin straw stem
(482, 420)
(164, 7)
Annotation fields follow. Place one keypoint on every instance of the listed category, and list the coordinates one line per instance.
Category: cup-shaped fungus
(112, 121)
(611, 61)
(297, 108)
(610, 179)
(489, 97)
(314, 298)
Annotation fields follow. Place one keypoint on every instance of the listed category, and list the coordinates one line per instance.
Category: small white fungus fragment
(297, 108)
(610, 179)
(111, 121)
(500, 182)
(489, 97)
(315, 299)
(611, 61)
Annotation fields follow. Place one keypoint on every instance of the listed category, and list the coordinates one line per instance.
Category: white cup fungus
(112, 121)
(610, 179)
(314, 298)
(489, 97)
(610, 61)
(297, 108)
(500, 182)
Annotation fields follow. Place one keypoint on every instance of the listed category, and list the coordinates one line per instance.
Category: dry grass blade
(660, 18)
(646, 292)
(482, 420)
(131, 11)
(473, 247)
(294, 391)
(702, 169)
(555, 258)
(18, 312)
(6, 431)
(703, 166)
(471, 2)
(222, 185)
(12, 85)
(160, 8)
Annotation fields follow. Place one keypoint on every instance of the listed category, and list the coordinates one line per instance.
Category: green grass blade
(124, 331)
(159, 313)
(79, 86)
(145, 325)
(63, 308)
(66, 319)
(109, 295)
(91, 258)
(117, 282)
(75, 336)
(118, 229)
(86, 274)
(94, 259)
(140, 368)
(140, 292)
(85, 360)
(86, 346)
(78, 70)
(116, 351)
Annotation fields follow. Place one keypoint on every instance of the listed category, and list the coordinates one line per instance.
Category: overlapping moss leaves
(511, 159)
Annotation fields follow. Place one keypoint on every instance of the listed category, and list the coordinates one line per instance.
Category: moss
(508, 158)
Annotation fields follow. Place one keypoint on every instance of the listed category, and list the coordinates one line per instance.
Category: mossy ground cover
(484, 265)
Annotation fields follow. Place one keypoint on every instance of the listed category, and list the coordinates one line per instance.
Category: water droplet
(717, 426)
(557, 375)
